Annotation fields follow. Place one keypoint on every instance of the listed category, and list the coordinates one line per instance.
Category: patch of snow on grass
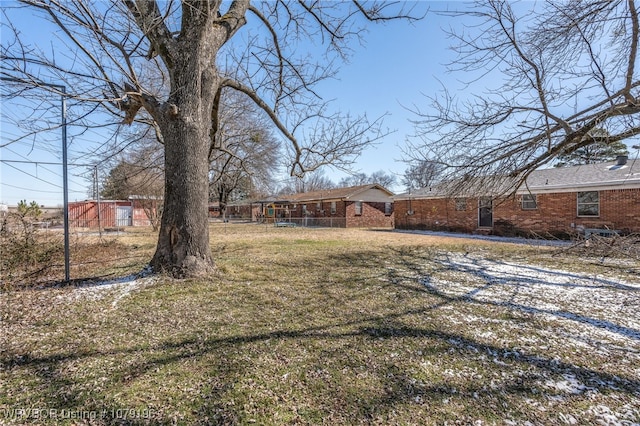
(570, 385)
(552, 318)
(606, 416)
(602, 304)
(512, 240)
(117, 288)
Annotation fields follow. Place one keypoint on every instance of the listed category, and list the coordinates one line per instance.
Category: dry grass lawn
(328, 326)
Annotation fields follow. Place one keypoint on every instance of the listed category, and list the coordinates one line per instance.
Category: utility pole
(65, 181)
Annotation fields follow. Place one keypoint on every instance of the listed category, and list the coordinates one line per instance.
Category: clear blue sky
(398, 64)
(32, 167)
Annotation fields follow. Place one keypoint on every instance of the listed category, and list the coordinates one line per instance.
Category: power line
(28, 160)
(38, 190)
(33, 176)
(48, 163)
(31, 190)
(44, 168)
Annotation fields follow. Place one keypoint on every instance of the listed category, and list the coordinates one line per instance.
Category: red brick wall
(243, 211)
(622, 207)
(314, 212)
(556, 213)
(619, 209)
(341, 209)
(323, 211)
(373, 216)
(436, 214)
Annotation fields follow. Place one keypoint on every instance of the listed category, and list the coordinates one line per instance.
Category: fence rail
(310, 222)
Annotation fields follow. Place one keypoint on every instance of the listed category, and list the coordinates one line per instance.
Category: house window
(529, 202)
(387, 209)
(333, 207)
(589, 203)
(319, 205)
(461, 204)
(304, 209)
(358, 207)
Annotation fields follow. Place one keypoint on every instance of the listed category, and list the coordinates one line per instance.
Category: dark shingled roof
(587, 177)
(332, 194)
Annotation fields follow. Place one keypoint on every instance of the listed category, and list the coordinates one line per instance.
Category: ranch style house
(601, 198)
(363, 206)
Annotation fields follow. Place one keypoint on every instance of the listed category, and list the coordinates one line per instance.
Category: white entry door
(124, 216)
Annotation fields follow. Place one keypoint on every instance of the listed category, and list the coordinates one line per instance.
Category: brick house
(246, 210)
(558, 201)
(364, 206)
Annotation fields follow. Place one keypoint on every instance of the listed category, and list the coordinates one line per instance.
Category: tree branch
(147, 15)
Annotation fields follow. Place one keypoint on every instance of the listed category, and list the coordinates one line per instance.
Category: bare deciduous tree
(421, 174)
(138, 174)
(547, 74)
(314, 181)
(115, 54)
(380, 177)
(245, 156)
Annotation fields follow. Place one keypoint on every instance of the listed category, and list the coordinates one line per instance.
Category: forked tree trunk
(183, 244)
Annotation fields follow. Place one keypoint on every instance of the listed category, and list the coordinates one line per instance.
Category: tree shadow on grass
(228, 359)
(228, 368)
(398, 385)
(418, 266)
(490, 274)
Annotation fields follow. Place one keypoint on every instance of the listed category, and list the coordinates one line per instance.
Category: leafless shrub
(616, 246)
(28, 252)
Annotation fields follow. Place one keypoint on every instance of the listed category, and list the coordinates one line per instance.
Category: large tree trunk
(185, 121)
(183, 242)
